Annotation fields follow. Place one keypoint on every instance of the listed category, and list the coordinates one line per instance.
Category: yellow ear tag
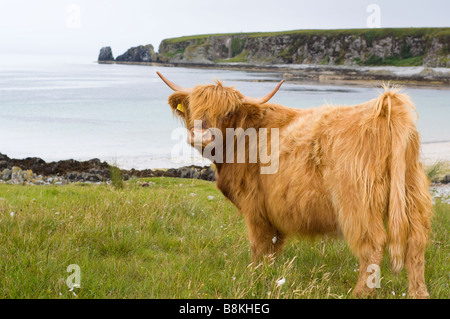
(180, 108)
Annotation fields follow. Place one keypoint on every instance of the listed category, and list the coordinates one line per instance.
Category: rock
(105, 54)
(142, 53)
(6, 174)
(72, 175)
(3, 164)
(185, 172)
(93, 178)
(16, 175)
(446, 179)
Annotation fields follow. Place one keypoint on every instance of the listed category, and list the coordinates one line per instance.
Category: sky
(82, 27)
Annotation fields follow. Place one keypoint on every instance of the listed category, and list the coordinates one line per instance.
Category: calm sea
(61, 107)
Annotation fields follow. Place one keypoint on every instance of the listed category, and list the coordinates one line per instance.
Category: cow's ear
(253, 114)
(179, 103)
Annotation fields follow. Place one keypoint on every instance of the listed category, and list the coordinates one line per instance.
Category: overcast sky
(82, 27)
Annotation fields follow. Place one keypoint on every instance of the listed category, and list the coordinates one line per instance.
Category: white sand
(435, 152)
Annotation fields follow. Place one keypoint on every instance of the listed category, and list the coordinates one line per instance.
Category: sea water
(62, 107)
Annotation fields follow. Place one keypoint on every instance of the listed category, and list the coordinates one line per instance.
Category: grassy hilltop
(176, 238)
(385, 46)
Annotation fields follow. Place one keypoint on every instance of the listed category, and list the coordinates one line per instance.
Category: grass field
(370, 33)
(172, 240)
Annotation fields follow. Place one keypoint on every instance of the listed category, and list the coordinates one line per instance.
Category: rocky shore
(35, 171)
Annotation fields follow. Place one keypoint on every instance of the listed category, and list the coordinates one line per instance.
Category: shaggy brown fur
(344, 170)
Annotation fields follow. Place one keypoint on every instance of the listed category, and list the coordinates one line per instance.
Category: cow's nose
(202, 135)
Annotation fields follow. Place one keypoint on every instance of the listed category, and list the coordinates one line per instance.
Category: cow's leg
(363, 229)
(419, 206)
(415, 265)
(370, 256)
(419, 217)
(264, 238)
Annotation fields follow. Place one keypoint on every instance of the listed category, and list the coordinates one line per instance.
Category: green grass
(370, 34)
(169, 240)
(437, 170)
(116, 177)
(391, 61)
(241, 58)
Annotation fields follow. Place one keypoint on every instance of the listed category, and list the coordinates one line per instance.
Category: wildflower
(393, 293)
(281, 282)
(210, 197)
(12, 214)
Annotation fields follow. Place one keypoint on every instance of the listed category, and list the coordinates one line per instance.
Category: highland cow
(349, 171)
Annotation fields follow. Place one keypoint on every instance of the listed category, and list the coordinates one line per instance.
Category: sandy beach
(435, 152)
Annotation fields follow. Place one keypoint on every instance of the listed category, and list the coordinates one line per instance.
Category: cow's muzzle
(200, 136)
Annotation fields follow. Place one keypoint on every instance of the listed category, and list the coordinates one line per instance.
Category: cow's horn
(174, 86)
(264, 99)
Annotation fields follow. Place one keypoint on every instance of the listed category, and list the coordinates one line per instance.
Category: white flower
(56, 213)
(393, 293)
(281, 282)
(12, 214)
(192, 194)
(210, 197)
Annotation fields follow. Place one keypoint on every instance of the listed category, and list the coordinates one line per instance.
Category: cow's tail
(397, 109)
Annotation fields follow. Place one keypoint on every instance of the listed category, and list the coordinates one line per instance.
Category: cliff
(142, 53)
(398, 47)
